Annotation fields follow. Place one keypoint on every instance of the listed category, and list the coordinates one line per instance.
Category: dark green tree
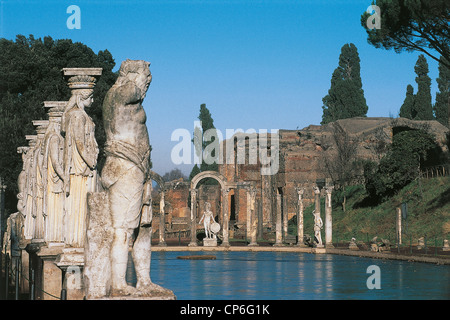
(412, 25)
(200, 143)
(408, 104)
(30, 73)
(345, 98)
(442, 103)
(423, 109)
(410, 151)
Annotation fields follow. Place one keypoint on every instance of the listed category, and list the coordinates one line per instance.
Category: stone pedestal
(51, 274)
(71, 262)
(209, 242)
(99, 235)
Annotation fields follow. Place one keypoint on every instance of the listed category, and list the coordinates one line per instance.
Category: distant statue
(80, 160)
(318, 225)
(208, 221)
(126, 178)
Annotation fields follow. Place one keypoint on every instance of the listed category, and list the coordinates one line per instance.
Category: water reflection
(293, 276)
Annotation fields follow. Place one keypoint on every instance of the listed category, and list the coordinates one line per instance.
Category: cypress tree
(345, 98)
(442, 104)
(422, 103)
(207, 123)
(408, 104)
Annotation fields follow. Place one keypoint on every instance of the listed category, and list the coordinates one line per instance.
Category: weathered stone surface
(99, 236)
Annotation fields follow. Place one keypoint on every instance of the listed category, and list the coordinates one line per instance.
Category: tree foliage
(410, 151)
(423, 109)
(442, 104)
(412, 25)
(200, 143)
(408, 104)
(345, 98)
(30, 73)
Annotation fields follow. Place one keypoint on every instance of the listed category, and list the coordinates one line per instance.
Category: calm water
(293, 276)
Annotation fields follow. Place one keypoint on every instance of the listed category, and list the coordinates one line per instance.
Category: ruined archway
(225, 188)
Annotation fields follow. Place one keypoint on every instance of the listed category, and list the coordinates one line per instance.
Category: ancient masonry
(58, 174)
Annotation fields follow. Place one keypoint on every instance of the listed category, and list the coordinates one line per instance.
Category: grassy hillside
(428, 214)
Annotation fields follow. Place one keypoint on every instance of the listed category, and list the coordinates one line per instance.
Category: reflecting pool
(294, 276)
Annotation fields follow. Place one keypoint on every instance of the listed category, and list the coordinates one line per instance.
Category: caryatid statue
(28, 181)
(38, 183)
(54, 173)
(126, 177)
(80, 152)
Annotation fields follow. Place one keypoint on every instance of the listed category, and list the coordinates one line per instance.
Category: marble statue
(54, 177)
(318, 225)
(38, 181)
(27, 178)
(80, 160)
(208, 221)
(126, 178)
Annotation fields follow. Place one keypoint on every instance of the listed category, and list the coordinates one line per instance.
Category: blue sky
(256, 64)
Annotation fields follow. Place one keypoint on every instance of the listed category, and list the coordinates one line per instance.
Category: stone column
(328, 218)
(284, 212)
(226, 218)
(193, 242)
(254, 218)
(162, 222)
(300, 235)
(399, 225)
(249, 215)
(278, 227)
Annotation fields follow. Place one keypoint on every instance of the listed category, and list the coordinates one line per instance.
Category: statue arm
(79, 124)
(128, 93)
(54, 157)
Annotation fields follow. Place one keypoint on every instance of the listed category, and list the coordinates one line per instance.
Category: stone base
(445, 248)
(207, 242)
(319, 250)
(70, 257)
(353, 247)
(135, 297)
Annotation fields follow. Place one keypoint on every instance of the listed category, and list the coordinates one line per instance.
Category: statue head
(137, 71)
(80, 99)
